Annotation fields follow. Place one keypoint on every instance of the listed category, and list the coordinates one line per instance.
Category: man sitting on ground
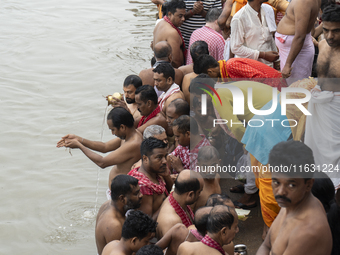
(147, 103)
(125, 195)
(221, 230)
(138, 230)
(295, 229)
(180, 233)
(153, 175)
(125, 149)
(175, 209)
(163, 54)
(164, 75)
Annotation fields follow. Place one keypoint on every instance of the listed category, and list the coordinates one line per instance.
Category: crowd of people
(164, 194)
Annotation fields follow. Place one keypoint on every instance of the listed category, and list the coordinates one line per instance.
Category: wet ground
(251, 229)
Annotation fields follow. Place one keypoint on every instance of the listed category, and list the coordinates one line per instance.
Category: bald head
(201, 219)
(219, 199)
(162, 50)
(181, 106)
(187, 181)
(220, 216)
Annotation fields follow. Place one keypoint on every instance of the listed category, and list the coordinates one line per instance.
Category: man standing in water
(125, 149)
(294, 40)
(125, 195)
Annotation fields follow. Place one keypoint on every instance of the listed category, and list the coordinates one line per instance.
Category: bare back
(129, 149)
(167, 218)
(196, 248)
(109, 224)
(147, 77)
(328, 67)
(300, 16)
(210, 187)
(305, 231)
(165, 32)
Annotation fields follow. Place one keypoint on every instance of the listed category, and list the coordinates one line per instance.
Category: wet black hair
(173, 5)
(166, 69)
(121, 185)
(138, 224)
(120, 116)
(203, 63)
(292, 154)
(149, 144)
(147, 92)
(135, 80)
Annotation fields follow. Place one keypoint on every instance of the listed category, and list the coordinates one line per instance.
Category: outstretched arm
(116, 157)
(93, 145)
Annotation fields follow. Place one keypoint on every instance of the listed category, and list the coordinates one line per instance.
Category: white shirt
(249, 36)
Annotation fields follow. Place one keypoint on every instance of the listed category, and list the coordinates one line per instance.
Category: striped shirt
(196, 21)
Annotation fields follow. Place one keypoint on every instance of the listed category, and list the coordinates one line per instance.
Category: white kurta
(249, 36)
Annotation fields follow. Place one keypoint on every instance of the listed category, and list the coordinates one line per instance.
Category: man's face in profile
(171, 114)
(141, 106)
(129, 93)
(331, 31)
(289, 191)
(134, 198)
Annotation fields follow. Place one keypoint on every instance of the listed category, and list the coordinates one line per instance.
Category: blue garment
(260, 140)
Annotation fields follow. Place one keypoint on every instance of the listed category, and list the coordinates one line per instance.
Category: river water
(57, 61)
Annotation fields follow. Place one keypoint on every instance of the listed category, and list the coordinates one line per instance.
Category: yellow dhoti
(269, 206)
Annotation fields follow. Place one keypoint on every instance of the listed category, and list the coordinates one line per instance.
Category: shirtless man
(124, 150)
(301, 226)
(147, 103)
(153, 175)
(197, 49)
(208, 157)
(180, 233)
(294, 40)
(163, 54)
(167, 30)
(325, 114)
(222, 227)
(175, 209)
(137, 231)
(131, 83)
(164, 75)
(125, 195)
